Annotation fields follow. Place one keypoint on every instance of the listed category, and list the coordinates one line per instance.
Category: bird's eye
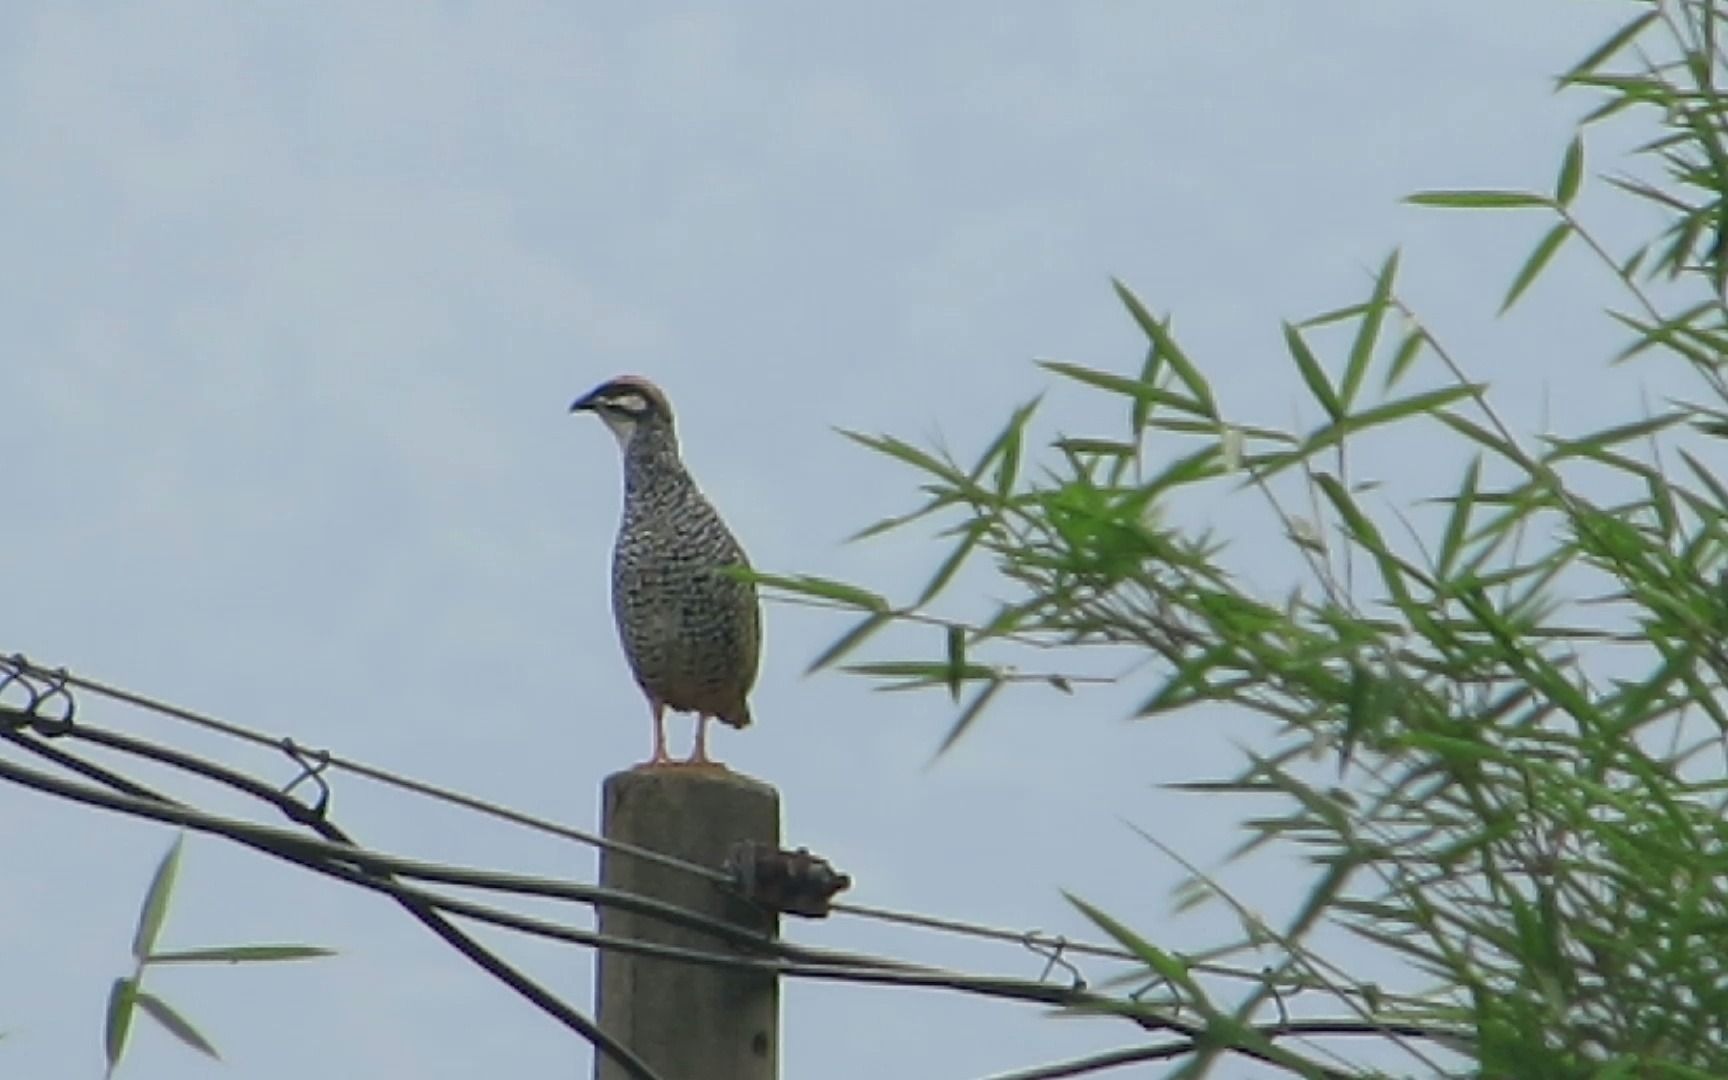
(634, 404)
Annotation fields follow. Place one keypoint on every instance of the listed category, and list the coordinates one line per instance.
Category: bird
(690, 626)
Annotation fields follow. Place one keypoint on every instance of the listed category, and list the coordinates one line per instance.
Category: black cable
(145, 801)
(1035, 940)
(378, 862)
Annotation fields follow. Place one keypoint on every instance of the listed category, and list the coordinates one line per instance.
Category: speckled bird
(691, 632)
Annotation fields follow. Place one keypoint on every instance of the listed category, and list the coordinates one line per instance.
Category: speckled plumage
(690, 631)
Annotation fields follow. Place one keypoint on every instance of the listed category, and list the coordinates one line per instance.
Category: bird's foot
(702, 763)
(661, 761)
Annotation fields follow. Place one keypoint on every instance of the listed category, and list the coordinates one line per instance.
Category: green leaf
(1458, 524)
(1430, 401)
(922, 670)
(1336, 315)
(118, 1024)
(1478, 200)
(824, 589)
(850, 640)
(1141, 411)
(1312, 373)
(939, 501)
(956, 647)
(1613, 44)
(1103, 380)
(1368, 331)
(1533, 266)
(155, 906)
(1619, 433)
(1004, 449)
(1408, 350)
(969, 715)
(1171, 969)
(241, 954)
(176, 1024)
(1359, 524)
(950, 565)
(1013, 442)
(1476, 432)
(904, 451)
(1097, 447)
(1571, 173)
(1159, 334)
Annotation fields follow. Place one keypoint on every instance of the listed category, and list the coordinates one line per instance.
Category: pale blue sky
(296, 297)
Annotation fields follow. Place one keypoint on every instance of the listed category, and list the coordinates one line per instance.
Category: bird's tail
(738, 716)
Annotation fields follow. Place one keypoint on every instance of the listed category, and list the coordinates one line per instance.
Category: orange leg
(660, 756)
(699, 756)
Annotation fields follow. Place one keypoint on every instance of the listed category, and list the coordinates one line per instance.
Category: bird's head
(629, 405)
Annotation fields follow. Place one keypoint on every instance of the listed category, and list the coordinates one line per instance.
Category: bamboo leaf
(1458, 524)
(1312, 373)
(952, 563)
(956, 650)
(1168, 967)
(1008, 467)
(241, 954)
(968, 716)
(850, 640)
(1479, 434)
(1102, 380)
(1149, 371)
(1478, 200)
(1336, 315)
(1616, 41)
(903, 451)
(155, 907)
(1368, 331)
(118, 1022)
(1613, 436)
(1408, 350)
(1159, 334)
(925, 670)
(177, 1025)
(938, 501)
(1004, 449)
(1097, 447)
(1571, 172)
(1428, 402)
(1533, 266)
(823, 589)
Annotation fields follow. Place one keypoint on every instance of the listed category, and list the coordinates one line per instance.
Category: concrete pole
(687, 1021)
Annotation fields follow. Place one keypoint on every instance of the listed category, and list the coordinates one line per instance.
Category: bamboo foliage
(1496, 709)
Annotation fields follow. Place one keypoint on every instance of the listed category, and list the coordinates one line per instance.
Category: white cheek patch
(632, 403)
(622, 427)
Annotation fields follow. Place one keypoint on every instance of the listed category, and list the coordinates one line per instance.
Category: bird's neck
(651, 461)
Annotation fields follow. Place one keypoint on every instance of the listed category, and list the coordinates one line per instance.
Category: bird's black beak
(585, 403)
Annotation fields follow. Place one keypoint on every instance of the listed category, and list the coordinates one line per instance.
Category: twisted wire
(36, 706)
(1032, 939)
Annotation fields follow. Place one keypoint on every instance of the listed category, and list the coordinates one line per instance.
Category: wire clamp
(792, 882)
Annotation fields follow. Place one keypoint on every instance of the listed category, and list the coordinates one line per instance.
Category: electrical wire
(346, 865)
(339, 848)
(336, 856)
(147, 803)
(1045, 943)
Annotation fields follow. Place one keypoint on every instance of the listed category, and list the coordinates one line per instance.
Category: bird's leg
(661, 757)
(699, 756)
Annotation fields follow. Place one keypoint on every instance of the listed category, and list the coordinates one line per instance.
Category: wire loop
(1051, 950)
(313, 764)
